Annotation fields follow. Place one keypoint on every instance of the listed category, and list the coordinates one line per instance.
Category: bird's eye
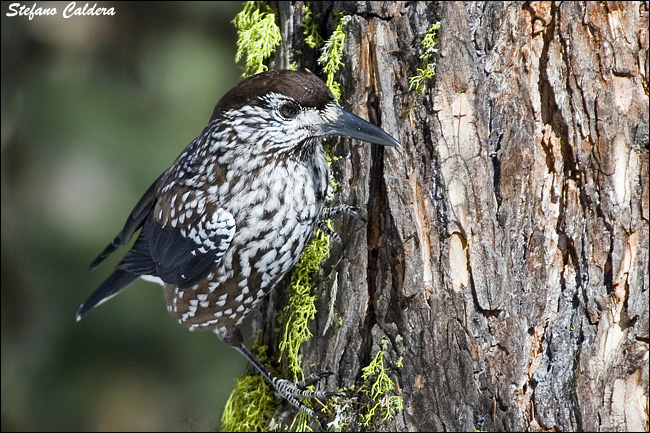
(288, 111)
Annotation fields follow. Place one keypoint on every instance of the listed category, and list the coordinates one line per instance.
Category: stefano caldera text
(70, 10)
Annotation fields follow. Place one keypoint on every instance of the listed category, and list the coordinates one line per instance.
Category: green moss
(300, 423)
(331, 58)
(377, 387)
(250, 407)
(310, 29)
(301, 308)
(389, 406)
(257, 36)
(382, 384)
(428, 71)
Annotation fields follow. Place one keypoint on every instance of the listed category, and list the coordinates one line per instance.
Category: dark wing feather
(133, 223)
(180, 256)
(113, 285)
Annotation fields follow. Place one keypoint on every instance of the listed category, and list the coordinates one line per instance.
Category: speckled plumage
(229, 219)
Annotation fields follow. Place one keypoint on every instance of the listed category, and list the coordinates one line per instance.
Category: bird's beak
(348, 125)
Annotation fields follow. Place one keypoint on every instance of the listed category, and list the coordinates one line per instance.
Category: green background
(93, 110)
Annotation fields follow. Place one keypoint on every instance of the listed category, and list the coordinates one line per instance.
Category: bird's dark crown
(304, 87)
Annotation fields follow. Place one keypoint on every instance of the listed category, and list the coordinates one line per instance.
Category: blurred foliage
(93, 110)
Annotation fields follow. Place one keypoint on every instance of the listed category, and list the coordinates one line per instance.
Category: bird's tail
(109, 288)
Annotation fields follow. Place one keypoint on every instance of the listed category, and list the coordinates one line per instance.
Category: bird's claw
(291, 392)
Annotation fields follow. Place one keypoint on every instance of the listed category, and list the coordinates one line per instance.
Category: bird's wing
(178, 247)
(133, 223)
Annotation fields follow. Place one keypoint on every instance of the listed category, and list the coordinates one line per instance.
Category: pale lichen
(342, 416)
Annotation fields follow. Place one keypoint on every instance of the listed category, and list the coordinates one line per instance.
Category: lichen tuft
(250, 407)
(310, 29)
(301, 307)
(257, 36)
(331, 58)
(428, 71)
(377, 387)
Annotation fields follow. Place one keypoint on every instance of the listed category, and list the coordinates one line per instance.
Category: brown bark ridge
(505, 253)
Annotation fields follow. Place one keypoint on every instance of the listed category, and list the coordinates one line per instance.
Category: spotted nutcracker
(229, 219)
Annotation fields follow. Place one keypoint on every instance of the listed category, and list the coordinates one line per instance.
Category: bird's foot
(291, 392)
(333, 213)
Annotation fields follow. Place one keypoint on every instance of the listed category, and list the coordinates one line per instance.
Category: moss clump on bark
(331, 58)
(257, 36)
(378, 387)
(428, 70)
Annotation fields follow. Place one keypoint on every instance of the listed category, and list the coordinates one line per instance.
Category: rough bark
(505, 256)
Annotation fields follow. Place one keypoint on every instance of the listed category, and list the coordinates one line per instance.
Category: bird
(228, 220)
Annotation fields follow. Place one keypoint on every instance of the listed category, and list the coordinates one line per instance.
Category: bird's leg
(336, 212)
(322, 226)
(282, 388)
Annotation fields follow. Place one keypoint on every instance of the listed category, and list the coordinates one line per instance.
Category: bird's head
(283, 110)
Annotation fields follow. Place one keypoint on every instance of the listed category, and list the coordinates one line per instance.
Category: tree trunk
(504, 261)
